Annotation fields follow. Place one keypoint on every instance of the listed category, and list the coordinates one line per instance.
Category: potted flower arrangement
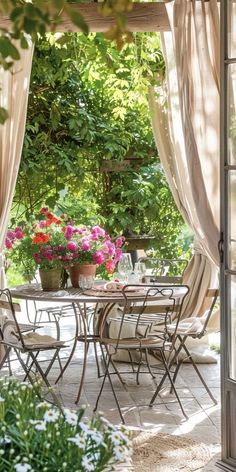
(43, 241)
(88, 248)
(56, 243)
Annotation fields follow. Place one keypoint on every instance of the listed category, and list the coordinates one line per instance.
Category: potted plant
(88, 248)
(56, 243)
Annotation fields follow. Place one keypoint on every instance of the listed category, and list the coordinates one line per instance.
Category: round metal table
(80, 299)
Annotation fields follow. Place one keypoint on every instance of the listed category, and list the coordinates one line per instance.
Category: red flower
(40, 238)
(44, 210)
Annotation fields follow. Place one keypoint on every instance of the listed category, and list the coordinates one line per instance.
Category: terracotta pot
(50, 279)
(84, 269)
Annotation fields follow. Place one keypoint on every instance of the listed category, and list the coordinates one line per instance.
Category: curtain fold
(187, 130)
(185, 119)
(14, 88)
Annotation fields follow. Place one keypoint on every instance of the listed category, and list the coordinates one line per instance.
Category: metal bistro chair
(52, 316)
(196, 328)
(13, 339)
(164, 270)
(150, 315)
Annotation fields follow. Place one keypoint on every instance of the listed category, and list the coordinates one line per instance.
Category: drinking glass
(86, 281)
(140, 270)
(125, 266)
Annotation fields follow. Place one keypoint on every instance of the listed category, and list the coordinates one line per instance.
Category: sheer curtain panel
(14, 88)
(185, 118)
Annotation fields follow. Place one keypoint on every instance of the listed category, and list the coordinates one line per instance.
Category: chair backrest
(6, 303)
(147, 316)
(164, 270)
(210, 301)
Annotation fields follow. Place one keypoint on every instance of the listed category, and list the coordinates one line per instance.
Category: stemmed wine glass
(125, 266)
(140, 270)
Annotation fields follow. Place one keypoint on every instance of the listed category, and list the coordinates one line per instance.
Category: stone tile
(204, 417)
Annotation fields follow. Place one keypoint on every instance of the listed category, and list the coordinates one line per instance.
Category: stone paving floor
(203, 423)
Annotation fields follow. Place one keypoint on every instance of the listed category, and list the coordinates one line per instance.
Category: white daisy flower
(50, 416)
(79, 440)
(97, 437)
(70, 417)
(41, 426)
(43, 404)
(21, 467)
(84, 427)
(117, 437)
(87, 463)
(121, 453)
(5, 440)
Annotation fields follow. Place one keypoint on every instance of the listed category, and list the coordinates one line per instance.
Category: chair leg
(56, 355)
(131, 360)
(139, 366)
(107, 374)
(86, 348)
(172, 385)
(199, 374)
(24, 367)
(77, 327)
(148, 364)
(6, 358)
(42, 373)
(29, 367)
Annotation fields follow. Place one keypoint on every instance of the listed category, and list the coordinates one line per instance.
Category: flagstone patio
(203, 424)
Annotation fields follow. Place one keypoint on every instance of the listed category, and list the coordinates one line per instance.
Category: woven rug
(158, 452)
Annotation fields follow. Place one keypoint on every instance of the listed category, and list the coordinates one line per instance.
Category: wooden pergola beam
(144, 17)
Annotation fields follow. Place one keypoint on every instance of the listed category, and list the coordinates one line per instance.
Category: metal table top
(76, 295)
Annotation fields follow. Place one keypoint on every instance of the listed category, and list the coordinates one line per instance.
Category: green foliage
(35, 17)
(88, 110)
(37, 436)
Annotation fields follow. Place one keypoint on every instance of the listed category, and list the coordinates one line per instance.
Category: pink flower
(118, 255)
(42, 224)
(110, 266)
(85, 244)
(69, 231)
(98, 231)
(94, 236)
(11, 235)
(120, 241)
(19, 235)
(99, 257)
(72, 246)
(111, 248)
(8, 243)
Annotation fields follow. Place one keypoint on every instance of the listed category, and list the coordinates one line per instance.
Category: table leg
(74, 345)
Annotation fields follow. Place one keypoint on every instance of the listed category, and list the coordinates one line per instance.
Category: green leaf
(23, 42)
(3, 115)
(7, 49)
(16, 12)
(78, 20)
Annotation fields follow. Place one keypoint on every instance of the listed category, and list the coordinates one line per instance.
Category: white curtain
(14, 87)
(185, 118)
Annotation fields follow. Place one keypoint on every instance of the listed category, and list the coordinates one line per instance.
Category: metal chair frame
(23, 348)
(146, 315)
(211, 294)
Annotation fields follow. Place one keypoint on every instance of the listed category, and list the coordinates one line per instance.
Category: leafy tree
(88, 114)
